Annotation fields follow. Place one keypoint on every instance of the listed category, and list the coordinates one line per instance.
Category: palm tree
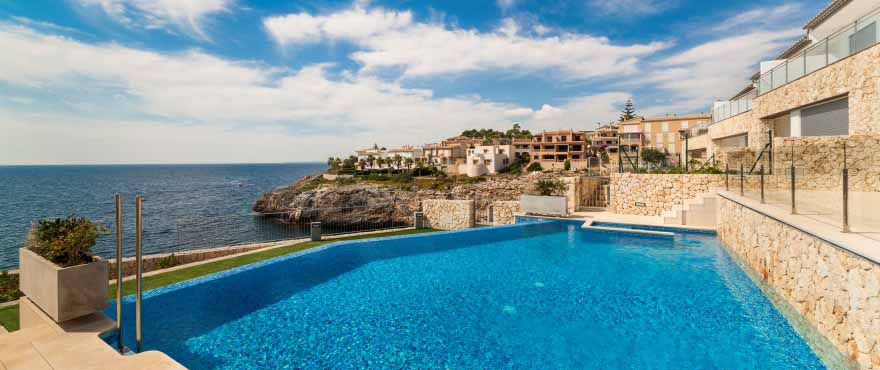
(409, 162)
(371, 160)
(397, 160)
(362, 164)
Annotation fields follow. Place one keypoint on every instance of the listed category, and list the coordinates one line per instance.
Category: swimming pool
(536, 295)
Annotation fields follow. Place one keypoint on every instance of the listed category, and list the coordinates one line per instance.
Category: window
(562, 138)
(659, 138)
(670, 137)
(665, 126)
(672, 148)
(684, 124)
(504, 161)
(648, 127)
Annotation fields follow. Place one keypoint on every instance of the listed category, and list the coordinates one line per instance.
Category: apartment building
(815, 87)
(660, 133)
(446, 156)
(604, 138)
(486, 159)
(552, 148)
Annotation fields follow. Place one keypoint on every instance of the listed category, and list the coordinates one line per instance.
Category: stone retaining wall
(445, 214)
(656, 193)
(504, 212)
(834, 290)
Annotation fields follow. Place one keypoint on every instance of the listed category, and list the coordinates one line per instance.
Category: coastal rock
(370, 202)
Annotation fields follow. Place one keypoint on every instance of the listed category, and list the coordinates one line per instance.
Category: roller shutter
(827, 119)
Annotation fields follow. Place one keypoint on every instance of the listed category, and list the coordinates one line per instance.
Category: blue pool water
(528, 296)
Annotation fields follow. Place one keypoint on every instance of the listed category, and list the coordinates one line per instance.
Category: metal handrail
(139, 256)
(119, 271)
(758, 159)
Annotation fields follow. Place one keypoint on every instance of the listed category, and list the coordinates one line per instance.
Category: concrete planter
(543, 205)
(64, 293)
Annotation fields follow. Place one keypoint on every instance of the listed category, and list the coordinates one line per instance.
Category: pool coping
(658, 228)
(628, 231)
(221, 274)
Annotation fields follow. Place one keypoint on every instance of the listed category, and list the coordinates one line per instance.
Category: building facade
(553, 148)
(823, 85)
(486, 159)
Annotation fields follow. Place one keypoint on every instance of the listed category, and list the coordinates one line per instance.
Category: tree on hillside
(652, 156)
(628, 112)
(516, 132)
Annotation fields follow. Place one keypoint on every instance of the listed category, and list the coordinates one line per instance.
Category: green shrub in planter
(64, 241)
(549, 187)
(9, 287)
(534, 166)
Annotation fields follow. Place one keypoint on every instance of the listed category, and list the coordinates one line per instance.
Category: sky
(242, 81)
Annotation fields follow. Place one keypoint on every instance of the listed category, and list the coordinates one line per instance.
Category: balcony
(726, 109)
(855, 37)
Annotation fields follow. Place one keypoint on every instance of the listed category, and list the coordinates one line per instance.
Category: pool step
(698, 211)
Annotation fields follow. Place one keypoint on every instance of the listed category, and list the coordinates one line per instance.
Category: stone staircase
(698, 211)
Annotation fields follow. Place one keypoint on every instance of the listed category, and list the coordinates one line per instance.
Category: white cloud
(187, 15)
(200, 108)
(761, 16)
(352, 24)
(630, 7)
(717, 69)
(391, 39)
(506, 4)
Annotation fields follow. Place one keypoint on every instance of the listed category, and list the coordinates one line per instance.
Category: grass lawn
(9, 315)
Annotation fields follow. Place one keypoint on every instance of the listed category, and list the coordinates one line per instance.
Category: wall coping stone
(853, 243)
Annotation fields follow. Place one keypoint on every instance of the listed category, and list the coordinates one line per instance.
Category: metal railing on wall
(830, 179)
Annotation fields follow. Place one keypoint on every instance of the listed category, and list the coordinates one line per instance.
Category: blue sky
(173, 81)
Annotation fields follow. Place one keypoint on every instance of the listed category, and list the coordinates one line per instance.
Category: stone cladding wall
(837, 292)
(445, 214)
(658, 192)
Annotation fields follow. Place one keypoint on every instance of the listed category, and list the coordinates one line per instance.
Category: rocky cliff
(375, 202)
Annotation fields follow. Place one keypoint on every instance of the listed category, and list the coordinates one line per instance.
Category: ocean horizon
(185, 204)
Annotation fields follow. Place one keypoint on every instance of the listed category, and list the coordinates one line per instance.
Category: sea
(185, 206)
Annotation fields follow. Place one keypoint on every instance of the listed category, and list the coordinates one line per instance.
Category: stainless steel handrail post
(762, 185)
(727, 176)
(119, 346)
(793, 202)
(138, 251)
(741, 181)
(845, 192)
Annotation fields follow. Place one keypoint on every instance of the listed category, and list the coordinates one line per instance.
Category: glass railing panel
(795, 68)
(815, 57)
(778, 76)
(765, 84)
(866, 33)
(839, 45)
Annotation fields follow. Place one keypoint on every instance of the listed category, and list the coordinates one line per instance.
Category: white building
(486, 159)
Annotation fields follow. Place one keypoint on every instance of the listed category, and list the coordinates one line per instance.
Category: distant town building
(553, 148)
(486, 159)
(661, 133)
